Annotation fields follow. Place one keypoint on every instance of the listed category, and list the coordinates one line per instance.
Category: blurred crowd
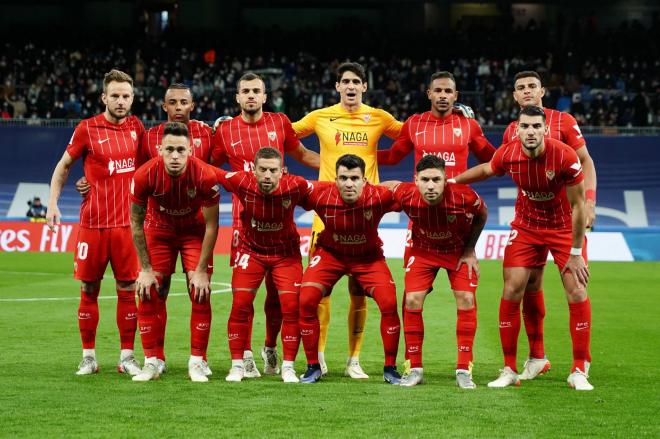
(604, 77)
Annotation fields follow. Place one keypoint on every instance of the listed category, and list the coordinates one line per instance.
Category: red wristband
(590, 194)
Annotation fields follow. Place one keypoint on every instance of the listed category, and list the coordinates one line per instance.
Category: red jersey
(561, 126)
(350, 229)
(450, 138)
(174, 202)
(201, 142)
(238, 141)
(442, 228)
(269, 229)
(542, 181)
(108, 153)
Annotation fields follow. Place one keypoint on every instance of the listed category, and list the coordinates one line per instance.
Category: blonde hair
(117, 76)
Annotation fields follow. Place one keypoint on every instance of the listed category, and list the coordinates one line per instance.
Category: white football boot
(507, 378)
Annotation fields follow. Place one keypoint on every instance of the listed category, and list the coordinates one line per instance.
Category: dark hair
(430, 161)
(532, 110)
(350, 161)
(527, 74)
(352, 67)
(267, 152)
(442, 75)
(175, 129)
(249, 76)
(117, 76)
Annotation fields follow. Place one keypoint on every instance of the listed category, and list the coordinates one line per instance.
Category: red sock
(237, 326)
(466, 327)
(126, 317)
(509, 330)
(310, 297)
(162, 324)
(148, 322)
(200, 328)
(390, 326)
(273, 313)
(413, 330)
(290, 329)
(580, 325)
(403, 319)
(533, 308)
(248, 337)
(88, 317)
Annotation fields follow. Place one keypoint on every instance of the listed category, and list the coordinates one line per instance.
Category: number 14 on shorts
(241, 260)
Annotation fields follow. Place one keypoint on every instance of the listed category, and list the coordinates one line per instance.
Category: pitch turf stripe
(57, 299)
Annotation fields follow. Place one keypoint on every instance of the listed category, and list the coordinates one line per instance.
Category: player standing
(269, 243)
(349, 127)
(107, 145)
(237, 141)
(550, 216)
(446, 223)
(174, 209)
(351, 209)
(528, 90)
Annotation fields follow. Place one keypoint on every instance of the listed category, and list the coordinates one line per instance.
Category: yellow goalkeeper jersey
(341, 132)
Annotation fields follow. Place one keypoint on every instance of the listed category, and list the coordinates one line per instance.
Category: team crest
(272, 135)
(192, 192)
(133, 135)
(368, 214)
(197, 142)
(367, 118)
(451, 218)
(550, 174)
(457, 132)
(286, 203)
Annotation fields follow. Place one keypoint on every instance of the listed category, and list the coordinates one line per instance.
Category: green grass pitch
(40, 349)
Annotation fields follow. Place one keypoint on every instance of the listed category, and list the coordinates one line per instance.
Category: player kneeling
(447, 220)
(268, 244)
(174, 209)
(351, 209)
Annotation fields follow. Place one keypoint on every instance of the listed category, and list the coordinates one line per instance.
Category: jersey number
(83, 248)
(241, 260)
(411, 260)
(234, 241)
(512, 236)
(315, 260)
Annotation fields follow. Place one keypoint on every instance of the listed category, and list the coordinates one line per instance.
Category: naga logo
(539, 195)
(359, 138)
(121, 166)
(203, 326)
(349, 239)
(176, 212)
(413, 349)
(393, 330)
(232, 336)
(264, 226)
(306, 331)
(448, 157)
(505, 325)
(436, 235)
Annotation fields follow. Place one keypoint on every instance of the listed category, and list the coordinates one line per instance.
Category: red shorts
(529, 248)
(97, 247)
(164, 246)
(326, 269)
(250, 269)
(422, 267)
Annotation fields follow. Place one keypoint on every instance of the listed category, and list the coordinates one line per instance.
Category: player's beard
(117, 116)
